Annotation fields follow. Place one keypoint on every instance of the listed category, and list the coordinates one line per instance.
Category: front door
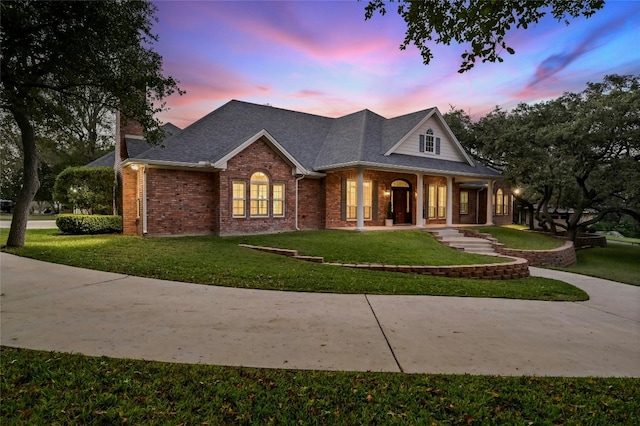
(402, 206)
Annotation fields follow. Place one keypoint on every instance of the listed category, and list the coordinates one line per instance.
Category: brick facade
(185, 202)
(180, 202)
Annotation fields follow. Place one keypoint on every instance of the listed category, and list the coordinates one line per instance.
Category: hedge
(89, 224)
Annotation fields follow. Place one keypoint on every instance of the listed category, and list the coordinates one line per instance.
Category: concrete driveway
(56, 307)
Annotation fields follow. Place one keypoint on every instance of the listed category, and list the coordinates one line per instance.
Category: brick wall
(333, 194)
(129, 202)
(180, 202)
(311, 205)
(258, 157)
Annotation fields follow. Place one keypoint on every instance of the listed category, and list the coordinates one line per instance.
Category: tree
(482, 23)
(579, 152)
(89, 189)
(56, 52)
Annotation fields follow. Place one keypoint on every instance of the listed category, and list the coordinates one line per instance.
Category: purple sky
(322, 57)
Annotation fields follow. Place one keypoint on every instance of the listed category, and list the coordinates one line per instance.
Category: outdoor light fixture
(134, 167)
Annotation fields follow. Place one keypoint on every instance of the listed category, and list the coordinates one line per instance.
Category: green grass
(517, 237)
(56, 388)
(220, 261)
(617, 262)
(383, 247)
(623, 239)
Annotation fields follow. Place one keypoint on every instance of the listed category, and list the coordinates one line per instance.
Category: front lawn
(521, 239)
(55, 388)
(617, 262)
(220, 261)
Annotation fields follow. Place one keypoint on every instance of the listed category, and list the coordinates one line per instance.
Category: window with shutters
(429, 141)
(352, 199)
(437, 202)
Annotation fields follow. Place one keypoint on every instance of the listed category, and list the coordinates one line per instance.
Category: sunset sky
(322, 57)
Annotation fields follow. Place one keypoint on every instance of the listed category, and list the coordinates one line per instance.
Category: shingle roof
(135, 147)
(318, 143)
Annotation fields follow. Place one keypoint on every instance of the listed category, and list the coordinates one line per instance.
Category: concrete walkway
(56, 307)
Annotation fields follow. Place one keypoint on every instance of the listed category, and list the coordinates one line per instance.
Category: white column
(489, 202)
(360, 200)
(420, 202)
(449, 201)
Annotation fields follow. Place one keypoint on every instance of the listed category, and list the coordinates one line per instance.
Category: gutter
(298, 179)
(144, 200)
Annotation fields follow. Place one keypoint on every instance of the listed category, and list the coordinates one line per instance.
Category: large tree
(483, 24)
(56, 52)
(580, 152)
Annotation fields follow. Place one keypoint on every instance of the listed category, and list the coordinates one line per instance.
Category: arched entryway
(401, 200)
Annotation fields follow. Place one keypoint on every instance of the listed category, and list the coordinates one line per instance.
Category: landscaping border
(517, 268)
(559, 257)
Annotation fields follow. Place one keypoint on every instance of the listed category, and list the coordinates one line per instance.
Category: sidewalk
(56, 307)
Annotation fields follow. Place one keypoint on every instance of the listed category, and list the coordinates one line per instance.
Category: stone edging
(517, 268)
(560, 257)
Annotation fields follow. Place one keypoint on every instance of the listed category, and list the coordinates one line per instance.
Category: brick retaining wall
(560, 257)
(516, 268)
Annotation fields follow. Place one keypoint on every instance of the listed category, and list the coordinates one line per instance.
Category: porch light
(387, 193)
(134, 167)
(516, 191)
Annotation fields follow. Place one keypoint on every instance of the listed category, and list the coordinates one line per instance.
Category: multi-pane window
(428, 141)
(437, 202)
(278, 199)
(239, 199)
(499, 202)
(433, 203)
(464, 202)
(442, 201)
(352, 199)
(259, 194)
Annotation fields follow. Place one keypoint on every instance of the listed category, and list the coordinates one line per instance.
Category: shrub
(89, 224)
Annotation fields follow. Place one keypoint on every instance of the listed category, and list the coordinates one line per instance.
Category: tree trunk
(30, 182)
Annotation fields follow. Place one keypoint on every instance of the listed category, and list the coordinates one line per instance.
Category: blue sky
(322, 57)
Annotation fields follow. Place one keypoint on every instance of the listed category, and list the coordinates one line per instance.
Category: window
(506, 204)
(433, 196)
(239, 199)
(464, 202)
(442, 201)
(259, 194)
(499, 202)
(352, 199)
(437, 202)
(428, 141)
(278, 199)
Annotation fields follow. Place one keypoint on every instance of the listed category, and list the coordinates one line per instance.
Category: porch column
(420, 201)
(360, 200)
(489, 203)
(449, 201)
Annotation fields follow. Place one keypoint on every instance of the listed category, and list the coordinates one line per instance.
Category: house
(247, 168)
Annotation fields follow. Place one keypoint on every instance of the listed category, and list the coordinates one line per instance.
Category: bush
(89, 224)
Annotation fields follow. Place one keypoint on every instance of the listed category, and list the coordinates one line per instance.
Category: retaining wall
(515, 268)
(560, 257)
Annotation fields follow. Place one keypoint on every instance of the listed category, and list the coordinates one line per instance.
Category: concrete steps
(456, 239)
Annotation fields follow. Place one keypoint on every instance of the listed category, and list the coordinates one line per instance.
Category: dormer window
(429, 144)
(428, 141)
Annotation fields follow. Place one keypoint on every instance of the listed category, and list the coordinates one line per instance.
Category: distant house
(247, 168)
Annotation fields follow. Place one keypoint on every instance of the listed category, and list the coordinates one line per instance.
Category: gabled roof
(312, 143)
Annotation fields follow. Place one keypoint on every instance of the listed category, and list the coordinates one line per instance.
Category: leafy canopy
(482, 23)
(54, 53)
